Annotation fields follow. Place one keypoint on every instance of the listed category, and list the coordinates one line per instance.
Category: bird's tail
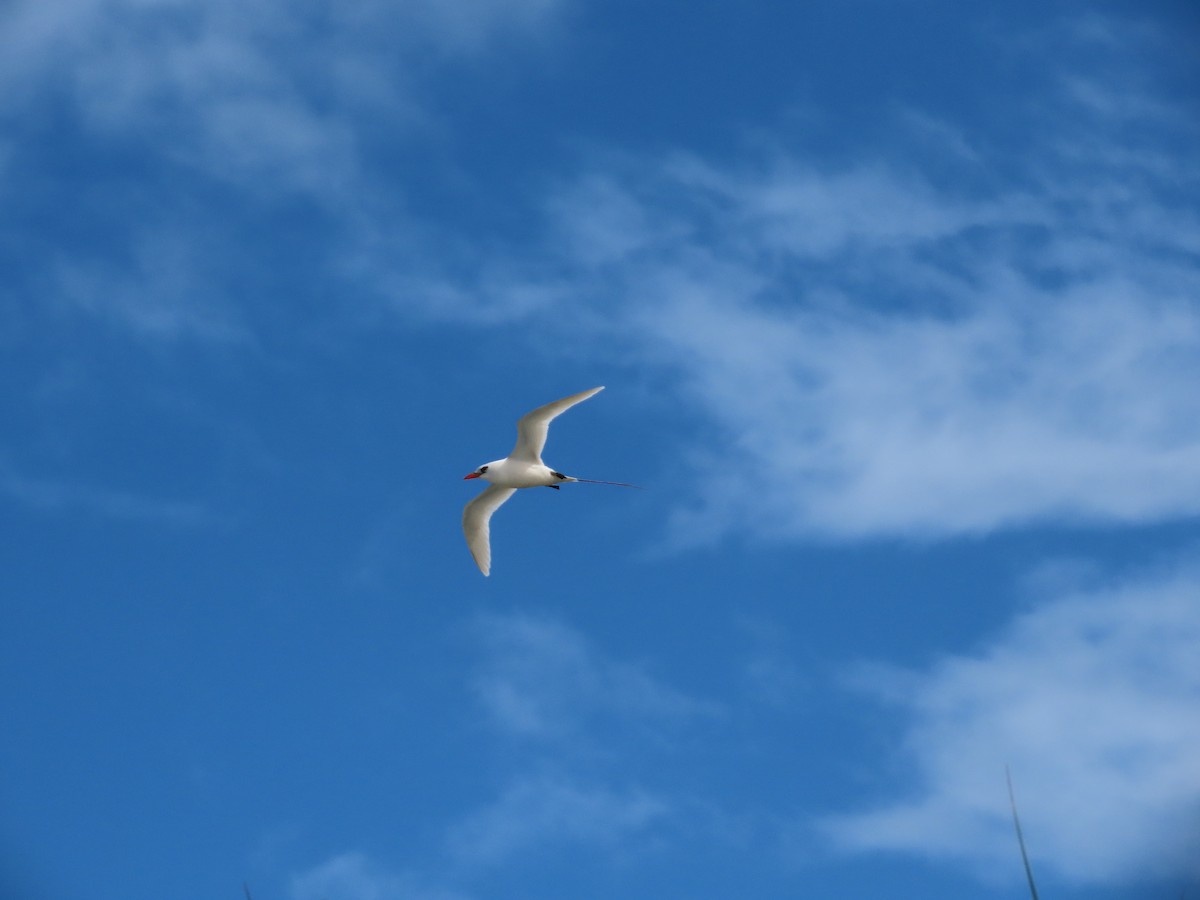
(615, 483)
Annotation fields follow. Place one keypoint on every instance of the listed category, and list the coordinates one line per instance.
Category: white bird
(523, 468)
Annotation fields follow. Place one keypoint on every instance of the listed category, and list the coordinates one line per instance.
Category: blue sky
(898, 309)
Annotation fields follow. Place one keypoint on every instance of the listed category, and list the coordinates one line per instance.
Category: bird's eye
(482, 469)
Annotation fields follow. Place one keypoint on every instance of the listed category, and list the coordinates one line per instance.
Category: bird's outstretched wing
(476, 516)
(533, 427)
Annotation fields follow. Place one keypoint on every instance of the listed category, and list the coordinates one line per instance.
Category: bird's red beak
(472, 475)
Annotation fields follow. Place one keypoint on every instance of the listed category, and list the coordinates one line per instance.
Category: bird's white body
(518, 473)
(523, 468)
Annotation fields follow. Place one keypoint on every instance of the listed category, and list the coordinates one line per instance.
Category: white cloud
(885, 354)
(469, 25)
(280, 100)
(542, 680)
(166, 288)
(878, 352)
(275, 95)
(1035, 405)
(544, 810)
(586, 728)
(771, 675)
(353, 876)
(50, 495)
(1093, 699)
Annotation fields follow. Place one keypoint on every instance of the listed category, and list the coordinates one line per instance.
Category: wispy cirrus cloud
(277, 95)
(947, 344)
(542, 810)
(54, 496)
(1034, 406)
(192, 119)
(544, 687)
(541, 680)
(580, 719)
(902, 348)
(355, 876)
(166, 286)
(1093, 699)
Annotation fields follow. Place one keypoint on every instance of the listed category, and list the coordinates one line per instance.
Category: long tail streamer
(616, 483)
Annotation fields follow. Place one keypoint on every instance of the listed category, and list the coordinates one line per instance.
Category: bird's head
(481, 472)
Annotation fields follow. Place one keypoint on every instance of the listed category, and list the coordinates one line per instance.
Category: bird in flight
(523, 468)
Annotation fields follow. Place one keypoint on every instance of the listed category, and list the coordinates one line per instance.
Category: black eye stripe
(482, 469)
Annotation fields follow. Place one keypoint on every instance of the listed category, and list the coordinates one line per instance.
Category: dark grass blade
(1012, 802)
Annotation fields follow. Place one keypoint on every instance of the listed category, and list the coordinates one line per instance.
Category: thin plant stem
(1012, 802)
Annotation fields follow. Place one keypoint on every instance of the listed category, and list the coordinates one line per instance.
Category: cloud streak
(541, 680)
(928, 349)
(1093, 699)
(52, 496)
(354, 876)
(1070, 407)
(277, 93)
(193, 121)
(541, 811)
(896, 351)
(588, 729)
